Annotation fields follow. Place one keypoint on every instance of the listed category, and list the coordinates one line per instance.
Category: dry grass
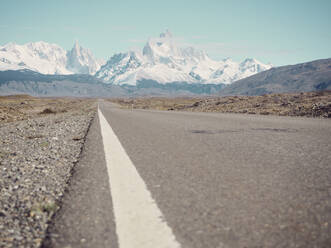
(311, 104)
(21, 107)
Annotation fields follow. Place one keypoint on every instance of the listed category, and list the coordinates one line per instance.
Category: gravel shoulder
(38, 150)
(85, 218)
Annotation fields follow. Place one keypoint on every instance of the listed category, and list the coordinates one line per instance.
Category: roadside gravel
(37, 157)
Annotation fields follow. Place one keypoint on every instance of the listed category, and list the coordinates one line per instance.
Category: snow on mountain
(47, 58)
(81, 60)
(161, 60)
(164, 61)
(38, 56)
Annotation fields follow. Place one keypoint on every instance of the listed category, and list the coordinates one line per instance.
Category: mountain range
(48, 58)
(309, 76)
(160, 60)
(160, 68)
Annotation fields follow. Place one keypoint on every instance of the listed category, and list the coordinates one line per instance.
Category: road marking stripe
(139, 221)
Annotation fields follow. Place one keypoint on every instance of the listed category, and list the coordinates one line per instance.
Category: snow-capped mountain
(81, 61)
(47, 58)
(162, 60)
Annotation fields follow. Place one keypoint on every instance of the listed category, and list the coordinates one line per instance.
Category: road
(217, 180)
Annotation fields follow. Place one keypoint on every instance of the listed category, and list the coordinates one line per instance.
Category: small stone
(19, 238)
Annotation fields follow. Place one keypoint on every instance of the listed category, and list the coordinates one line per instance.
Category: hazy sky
(277, 31)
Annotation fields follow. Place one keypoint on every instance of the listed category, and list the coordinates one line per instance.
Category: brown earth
(310, 104)
(22, 107)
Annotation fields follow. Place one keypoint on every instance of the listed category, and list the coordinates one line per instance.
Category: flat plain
(310, 104)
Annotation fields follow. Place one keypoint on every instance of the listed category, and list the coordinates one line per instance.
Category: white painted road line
(139, 221)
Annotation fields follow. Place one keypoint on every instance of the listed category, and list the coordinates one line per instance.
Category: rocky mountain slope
(163, 61)
(48, 58)
(309, 76)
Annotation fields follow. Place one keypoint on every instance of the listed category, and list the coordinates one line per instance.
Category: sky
(279, 32)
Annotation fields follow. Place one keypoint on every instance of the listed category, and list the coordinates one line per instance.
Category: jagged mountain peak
(163, 46)
(81, 60)
(77, 48)
(164, 49)
(76, 44)
(250, 61)
(167, 34)
(164, 61)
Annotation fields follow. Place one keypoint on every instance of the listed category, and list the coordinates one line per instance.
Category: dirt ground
(21, 107)
(310, 104)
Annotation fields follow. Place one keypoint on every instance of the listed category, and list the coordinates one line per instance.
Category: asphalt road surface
(219, 180)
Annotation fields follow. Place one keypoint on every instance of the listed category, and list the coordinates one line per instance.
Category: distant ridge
(13, 82)
(84, 85)
(304, 77)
